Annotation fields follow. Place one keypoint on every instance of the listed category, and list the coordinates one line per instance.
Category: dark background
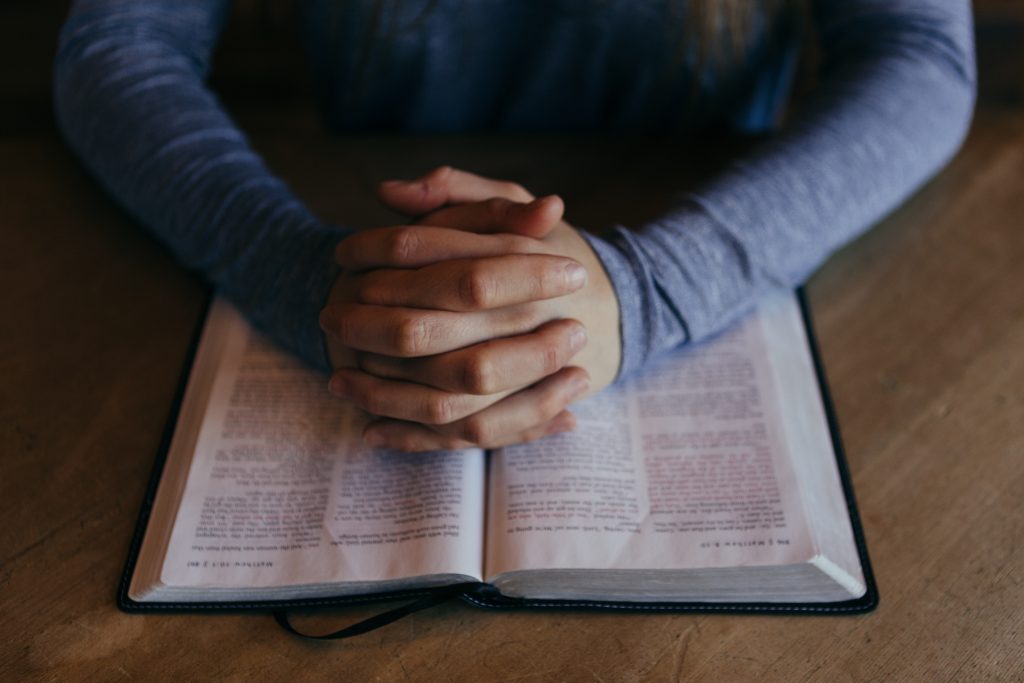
(260, 68)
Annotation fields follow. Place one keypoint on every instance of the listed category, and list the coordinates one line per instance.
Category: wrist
(596, 306)
(626, 274)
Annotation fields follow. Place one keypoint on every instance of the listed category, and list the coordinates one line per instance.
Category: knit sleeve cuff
(637, 296)
(282, 284)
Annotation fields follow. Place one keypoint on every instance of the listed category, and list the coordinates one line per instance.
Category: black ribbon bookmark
(442, 594)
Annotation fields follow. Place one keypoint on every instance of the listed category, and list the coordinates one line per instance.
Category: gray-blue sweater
(892, 105)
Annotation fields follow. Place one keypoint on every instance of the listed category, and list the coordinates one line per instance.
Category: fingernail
(393, 183)
(579, 386)
(575, 276)
(577, 338)
(564, 423)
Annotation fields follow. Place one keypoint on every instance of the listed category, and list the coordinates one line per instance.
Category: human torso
(558, 65)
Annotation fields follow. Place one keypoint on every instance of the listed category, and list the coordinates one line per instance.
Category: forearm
(893, 106)
(131, 101)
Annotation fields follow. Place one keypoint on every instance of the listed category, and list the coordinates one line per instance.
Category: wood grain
(921, 324)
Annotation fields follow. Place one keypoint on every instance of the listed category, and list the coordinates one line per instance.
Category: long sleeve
(893, 104)
(131, 100)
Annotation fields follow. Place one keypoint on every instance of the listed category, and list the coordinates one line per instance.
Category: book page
(686, 466)
(804, 420)
(281, 491)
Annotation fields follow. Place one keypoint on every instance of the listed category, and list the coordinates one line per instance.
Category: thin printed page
(683, 467)
(282, 492)
(807, 432)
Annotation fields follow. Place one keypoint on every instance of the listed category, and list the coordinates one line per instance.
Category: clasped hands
(476, 324)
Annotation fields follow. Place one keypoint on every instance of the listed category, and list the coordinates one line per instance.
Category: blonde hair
(723, 39)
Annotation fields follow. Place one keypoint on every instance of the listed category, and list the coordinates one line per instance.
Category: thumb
(446, 185)
(534, 219)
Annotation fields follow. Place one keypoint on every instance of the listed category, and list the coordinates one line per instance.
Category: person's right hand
(495, 361)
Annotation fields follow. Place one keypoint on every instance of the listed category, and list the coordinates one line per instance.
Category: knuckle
(516, 191)
(412, 336)
(478, 375)
(476, 430)
(435, 183)
(551, 359)
(441, 409)
(402, 245)
(499, 208)
(439, 173)
(476, 289)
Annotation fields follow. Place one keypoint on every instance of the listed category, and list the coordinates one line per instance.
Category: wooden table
(921, 324)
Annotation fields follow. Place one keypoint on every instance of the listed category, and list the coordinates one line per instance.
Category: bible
(714, 480)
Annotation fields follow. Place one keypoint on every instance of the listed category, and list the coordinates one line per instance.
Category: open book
(710, 479)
